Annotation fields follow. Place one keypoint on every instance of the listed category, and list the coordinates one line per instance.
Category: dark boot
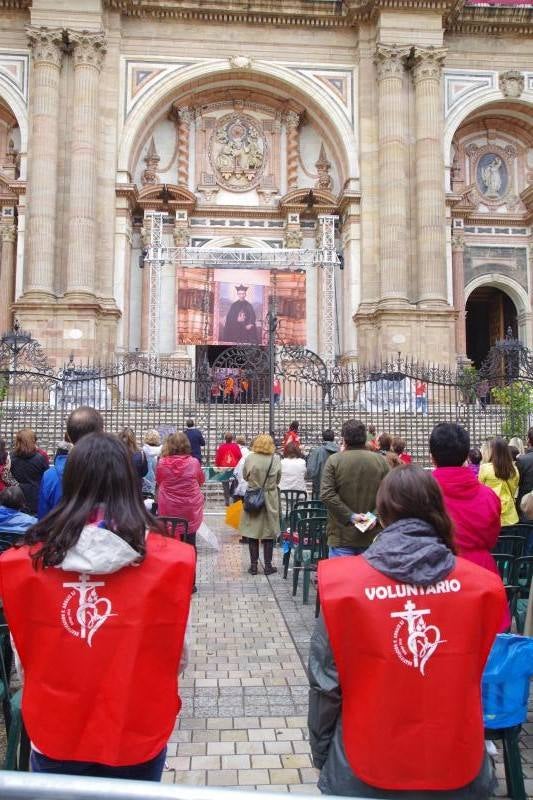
(268, 549)
(253, 545)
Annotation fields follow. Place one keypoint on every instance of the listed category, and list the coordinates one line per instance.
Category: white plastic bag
(210, 538)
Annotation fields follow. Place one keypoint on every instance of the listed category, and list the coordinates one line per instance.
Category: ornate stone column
(185, 119)
(8, 234)
(393, 164)
(88, 54)
(458, 272)
(47, 51)
(430, 196)
(292, 120)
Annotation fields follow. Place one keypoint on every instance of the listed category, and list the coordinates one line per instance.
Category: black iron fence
(244, 393)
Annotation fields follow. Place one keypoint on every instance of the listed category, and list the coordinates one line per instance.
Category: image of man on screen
(240, 325)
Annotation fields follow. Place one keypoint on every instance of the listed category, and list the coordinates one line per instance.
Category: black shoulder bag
(254, 499)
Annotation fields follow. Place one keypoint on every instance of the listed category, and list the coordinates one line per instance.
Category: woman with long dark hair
(138, 456)
(396, 661)
(28, 464)
(97, 608)
(501, 474)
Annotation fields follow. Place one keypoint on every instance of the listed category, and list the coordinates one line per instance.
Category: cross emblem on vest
(92, 610)
(415, 646)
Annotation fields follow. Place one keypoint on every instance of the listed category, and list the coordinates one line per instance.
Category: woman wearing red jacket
(98, 608)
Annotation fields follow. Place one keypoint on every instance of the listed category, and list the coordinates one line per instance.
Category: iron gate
(235, 394)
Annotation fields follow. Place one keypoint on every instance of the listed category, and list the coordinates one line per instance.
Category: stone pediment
(165, 197)
(319, 201)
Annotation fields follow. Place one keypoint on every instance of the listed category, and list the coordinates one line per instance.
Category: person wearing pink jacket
(179, 477)
(474, 509)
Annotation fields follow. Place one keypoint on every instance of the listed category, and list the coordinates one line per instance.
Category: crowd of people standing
(430, 539)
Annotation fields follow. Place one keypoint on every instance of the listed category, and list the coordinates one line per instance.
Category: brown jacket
(350, 483)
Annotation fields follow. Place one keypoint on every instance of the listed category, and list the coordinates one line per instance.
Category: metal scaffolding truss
(324, 256)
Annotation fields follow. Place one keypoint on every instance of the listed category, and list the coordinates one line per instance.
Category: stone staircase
(251, 419)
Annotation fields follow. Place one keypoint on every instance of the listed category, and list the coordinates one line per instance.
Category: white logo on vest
(91, 612)
(414, 640)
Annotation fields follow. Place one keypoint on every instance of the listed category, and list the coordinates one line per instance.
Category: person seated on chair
(293, 469)
(179, 477)
(397, 657)
(14, 521)
(89, 630)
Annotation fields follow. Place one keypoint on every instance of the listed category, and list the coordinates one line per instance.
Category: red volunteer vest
(100, 652)
(410, 662)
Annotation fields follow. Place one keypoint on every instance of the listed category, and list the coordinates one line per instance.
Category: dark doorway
(212, 351)
(489, 314)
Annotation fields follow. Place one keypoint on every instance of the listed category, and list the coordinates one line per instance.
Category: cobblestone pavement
(243, 720)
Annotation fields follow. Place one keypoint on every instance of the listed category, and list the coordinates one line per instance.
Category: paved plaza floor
(244, 693)
(243, 720)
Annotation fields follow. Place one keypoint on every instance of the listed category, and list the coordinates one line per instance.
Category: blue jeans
(148, 771)
(337, 552)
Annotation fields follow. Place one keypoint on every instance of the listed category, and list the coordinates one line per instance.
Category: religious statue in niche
(492, 177)
(237, 152)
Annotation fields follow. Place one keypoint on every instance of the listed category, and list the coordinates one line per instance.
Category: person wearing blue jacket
(13, 521)
(51, 489)
(196, 439)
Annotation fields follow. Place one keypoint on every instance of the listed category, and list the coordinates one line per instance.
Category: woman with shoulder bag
(262, 471)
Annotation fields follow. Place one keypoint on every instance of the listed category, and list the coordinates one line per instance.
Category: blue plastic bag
(505, 685)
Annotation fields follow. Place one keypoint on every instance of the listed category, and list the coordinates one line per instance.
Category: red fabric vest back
(410, 661)
(100, 652)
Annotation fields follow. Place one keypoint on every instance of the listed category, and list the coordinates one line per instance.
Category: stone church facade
(242, 122)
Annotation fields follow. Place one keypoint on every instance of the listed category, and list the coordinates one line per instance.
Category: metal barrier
(19, 785)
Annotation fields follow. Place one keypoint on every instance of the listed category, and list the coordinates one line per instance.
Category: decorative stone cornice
(46, 44)
(427, 63)
(493, 20)
(390, 61)
(321, 14)
(88, 48)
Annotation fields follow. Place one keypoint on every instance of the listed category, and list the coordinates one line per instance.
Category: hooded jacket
(51, 489)
(475, 511)
(152, 453)
(408, 553)
(14, 523)
(114, 623)
(178, 480)
(315, 463)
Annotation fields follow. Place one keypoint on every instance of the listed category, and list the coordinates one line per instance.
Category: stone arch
(480, 100)
(332, 122)
(229, 241)
(17, 106)
(518, 295)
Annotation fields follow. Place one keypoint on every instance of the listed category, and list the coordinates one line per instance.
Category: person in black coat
(28, 465)
(196, 439)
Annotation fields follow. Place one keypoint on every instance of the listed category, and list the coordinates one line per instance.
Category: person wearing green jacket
(350, 482)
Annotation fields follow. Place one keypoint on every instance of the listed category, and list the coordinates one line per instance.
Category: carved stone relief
(237, 152)
(491, 174)
(511, 83)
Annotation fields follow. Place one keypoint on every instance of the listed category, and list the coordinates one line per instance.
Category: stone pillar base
(424, 335)
(88, 330)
